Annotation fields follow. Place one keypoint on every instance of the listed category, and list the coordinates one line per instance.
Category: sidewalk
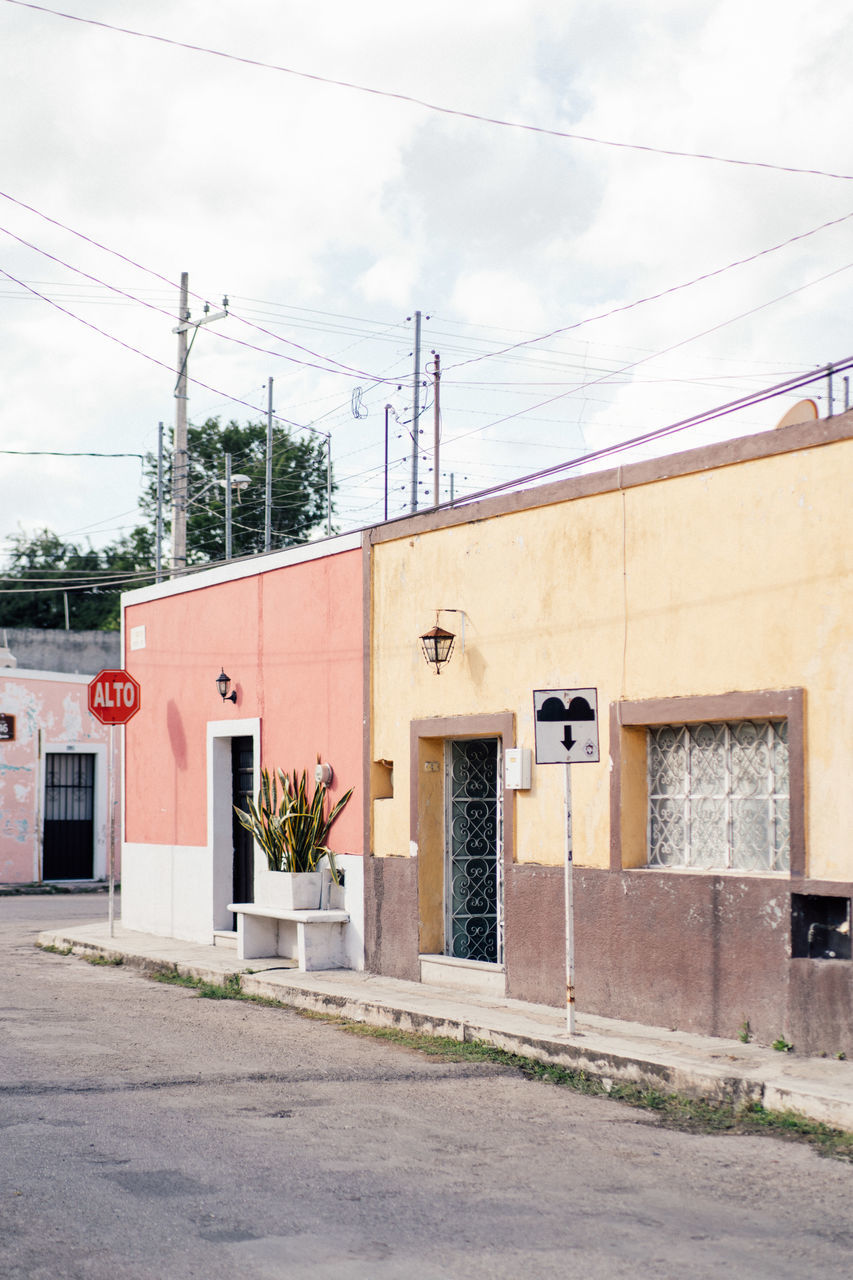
(699, 1066)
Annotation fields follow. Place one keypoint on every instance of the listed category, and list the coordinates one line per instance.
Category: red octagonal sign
(114, 697)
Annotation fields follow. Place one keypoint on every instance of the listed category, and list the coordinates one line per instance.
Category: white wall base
(167, 890)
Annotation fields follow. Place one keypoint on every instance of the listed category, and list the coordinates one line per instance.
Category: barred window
(718, 796)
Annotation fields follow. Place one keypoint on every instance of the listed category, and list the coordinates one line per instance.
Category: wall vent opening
(820, 927)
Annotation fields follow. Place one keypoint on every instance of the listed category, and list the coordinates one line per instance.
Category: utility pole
(179, 450)
(268, 490)
(158, 535)
(228, 506)
(436, 422)
(416, 411)
(180, 457)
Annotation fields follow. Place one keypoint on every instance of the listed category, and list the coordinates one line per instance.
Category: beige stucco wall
(736, 577)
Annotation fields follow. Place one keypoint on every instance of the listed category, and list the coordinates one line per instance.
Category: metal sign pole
(570, 911)
(112, 827)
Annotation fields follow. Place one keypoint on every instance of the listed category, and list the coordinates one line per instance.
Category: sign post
(114, 698)
(566, 726)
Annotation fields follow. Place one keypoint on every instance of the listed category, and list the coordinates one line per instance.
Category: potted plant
(292, 826)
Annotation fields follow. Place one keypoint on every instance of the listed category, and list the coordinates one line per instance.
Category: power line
(430, 106)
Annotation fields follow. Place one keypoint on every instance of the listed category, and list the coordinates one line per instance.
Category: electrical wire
(428, 106)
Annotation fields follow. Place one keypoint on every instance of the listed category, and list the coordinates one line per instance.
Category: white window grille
(718, 796)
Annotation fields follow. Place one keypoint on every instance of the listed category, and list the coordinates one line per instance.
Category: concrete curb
(669, 1068)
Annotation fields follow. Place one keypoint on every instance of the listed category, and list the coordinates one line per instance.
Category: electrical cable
(428, 106)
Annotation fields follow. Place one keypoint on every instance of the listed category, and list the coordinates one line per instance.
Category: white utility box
(517, 768)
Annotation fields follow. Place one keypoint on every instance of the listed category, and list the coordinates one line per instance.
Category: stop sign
(114, 696)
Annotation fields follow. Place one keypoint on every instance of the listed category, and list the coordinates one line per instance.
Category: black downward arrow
(568, 740)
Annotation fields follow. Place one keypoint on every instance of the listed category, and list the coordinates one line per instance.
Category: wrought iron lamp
(437, 645)
(223, 684)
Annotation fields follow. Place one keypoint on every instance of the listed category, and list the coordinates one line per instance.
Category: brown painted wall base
(694, 952)
(391, 917)
(535, 934)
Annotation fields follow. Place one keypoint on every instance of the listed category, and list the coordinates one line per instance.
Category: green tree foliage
(88, 577)
(299, 502)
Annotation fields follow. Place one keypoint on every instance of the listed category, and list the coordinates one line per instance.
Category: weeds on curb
(57, 951)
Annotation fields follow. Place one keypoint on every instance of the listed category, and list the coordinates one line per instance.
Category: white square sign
(566, 726)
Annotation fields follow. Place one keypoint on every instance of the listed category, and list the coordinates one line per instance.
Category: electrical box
(517, 768)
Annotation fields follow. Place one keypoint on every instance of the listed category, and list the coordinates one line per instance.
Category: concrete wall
(721, 569)
(288, 630)
(51, 715)
(80, 652)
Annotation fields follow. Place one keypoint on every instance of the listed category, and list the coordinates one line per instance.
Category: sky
(503, 167)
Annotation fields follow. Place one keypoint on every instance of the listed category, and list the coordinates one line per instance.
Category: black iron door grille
(69, 810)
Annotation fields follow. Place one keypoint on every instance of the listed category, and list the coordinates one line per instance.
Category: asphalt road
(145, 1133)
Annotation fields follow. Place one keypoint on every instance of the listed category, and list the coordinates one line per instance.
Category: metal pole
(435, 436)
(268, 491)
(416, 410)
(387, 410)
(228, 506)
(158, 527)
(570, 912)
(829, 390)
(112, 826)
(329, 485)
(179, 452)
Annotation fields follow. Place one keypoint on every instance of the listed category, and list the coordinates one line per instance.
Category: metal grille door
(473, 870)
(69, 808)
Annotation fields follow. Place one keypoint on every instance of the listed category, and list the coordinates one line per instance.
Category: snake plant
(289, 823)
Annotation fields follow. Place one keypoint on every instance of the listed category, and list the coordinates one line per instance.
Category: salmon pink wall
(291, 640)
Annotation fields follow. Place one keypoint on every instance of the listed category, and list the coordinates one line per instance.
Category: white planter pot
(289, 890)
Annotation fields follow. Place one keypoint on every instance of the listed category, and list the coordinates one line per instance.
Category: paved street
(148, 1133)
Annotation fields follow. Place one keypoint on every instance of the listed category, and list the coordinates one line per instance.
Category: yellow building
(706, 597)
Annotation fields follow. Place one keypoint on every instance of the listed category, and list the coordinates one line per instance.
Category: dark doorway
(69, 810)
(242, 779)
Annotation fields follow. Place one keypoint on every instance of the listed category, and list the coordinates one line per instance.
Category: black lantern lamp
(437, 645)
(223, 684)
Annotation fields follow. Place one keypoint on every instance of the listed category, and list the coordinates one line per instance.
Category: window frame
(629, 721)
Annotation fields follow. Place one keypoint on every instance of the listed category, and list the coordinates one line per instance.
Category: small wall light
(223, 684)
(323, 774)
(437, 645)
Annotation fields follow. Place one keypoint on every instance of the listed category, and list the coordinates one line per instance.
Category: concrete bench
(314, 939)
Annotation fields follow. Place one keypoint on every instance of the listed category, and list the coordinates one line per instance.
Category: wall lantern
(437, 644)
(223, 684)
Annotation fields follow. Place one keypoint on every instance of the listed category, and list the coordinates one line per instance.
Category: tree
(299, 495)
(91, 581)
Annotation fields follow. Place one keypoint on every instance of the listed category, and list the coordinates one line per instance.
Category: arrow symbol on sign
(568, 740)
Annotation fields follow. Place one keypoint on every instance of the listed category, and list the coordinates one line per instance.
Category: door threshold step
(225, 938)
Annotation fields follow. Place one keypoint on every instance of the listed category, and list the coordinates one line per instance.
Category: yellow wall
(733, 578)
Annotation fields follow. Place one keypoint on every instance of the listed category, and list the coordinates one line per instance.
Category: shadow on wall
(177, 737)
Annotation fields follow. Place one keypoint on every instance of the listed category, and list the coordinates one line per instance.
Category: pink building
(55, 787)
(288, 630)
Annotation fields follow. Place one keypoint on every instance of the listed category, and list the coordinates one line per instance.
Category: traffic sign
(114, 696)
(566, 726)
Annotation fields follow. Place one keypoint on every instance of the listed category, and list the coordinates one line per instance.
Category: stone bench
(314, 939)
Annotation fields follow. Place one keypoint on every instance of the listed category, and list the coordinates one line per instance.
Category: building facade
(288, 630)
(706, 597)
(59, 781)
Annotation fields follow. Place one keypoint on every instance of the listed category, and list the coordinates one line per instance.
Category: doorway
(69, 816)
(473, 850)
(242, 784)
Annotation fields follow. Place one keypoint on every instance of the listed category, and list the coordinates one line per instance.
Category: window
(718, 795)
